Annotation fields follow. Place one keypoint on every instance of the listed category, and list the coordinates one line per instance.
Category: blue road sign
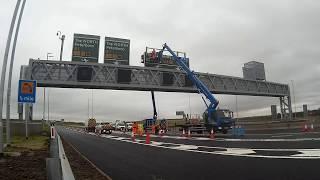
(27, 91)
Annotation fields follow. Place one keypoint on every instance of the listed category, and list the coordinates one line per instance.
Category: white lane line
(245, 140)
(285, 135)
(156, 143)
(119, 138)
(308, 153)
(185, 147)
(271, 140)
(292, 133)
(109, 136)
(241, 152)
(237, 139)
(241, 140)
(238, 151)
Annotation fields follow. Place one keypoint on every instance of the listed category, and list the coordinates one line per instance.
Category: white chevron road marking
(241, 152)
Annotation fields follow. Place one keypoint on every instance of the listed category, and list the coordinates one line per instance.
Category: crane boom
(211, 108)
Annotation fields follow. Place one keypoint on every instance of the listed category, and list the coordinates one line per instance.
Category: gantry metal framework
(64, 74)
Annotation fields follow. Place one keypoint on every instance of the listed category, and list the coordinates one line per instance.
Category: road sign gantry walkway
(66, 74)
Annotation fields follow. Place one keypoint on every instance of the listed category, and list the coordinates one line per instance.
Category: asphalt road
(122, 159)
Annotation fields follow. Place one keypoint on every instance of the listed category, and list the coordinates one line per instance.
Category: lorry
(213, 120)
(91, 125)
(104, 128)
(121, 125)
(129, 126)
(197, 125)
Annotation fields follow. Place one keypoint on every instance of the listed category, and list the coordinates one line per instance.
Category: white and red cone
(212, 134)
(305, 128)
(147, 138)
(132, 136)
(311, 127)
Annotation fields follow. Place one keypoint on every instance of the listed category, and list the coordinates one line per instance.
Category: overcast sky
(218, 36)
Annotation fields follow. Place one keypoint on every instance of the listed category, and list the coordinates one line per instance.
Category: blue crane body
(212, 118)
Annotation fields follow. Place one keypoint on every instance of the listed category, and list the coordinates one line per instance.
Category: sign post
(27, 94)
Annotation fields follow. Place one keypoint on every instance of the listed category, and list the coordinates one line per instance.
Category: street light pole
(237, 108)
(48, 106)
(3, 73)
(61, 37)
(10, 73)
(88, 109)
(294, 100)
(44, 94)
(92, 104)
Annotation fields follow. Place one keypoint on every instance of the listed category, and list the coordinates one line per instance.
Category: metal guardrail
(58, 167)
(67, 173)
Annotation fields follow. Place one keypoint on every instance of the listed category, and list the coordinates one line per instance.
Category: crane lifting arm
(196, 81)
(155, 114)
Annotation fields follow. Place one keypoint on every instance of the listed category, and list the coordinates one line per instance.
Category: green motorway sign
(85, 48)
(116, 51)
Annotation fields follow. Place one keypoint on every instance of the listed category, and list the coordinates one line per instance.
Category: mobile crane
(212, 119)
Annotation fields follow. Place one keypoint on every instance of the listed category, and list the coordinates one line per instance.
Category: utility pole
(48, 107)
(237, 107)
(10, 73)
(61, 37)
(88, 109)
(294, 100)
(3, 73)
(189, 108)
(92, 104)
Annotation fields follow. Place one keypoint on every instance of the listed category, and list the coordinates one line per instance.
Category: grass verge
(20, 143)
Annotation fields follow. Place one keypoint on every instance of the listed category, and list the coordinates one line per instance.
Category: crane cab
(220, 120)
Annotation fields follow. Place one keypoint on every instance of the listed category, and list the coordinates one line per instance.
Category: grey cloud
(218, 36)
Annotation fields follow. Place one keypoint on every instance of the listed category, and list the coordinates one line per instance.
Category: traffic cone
(148, 138)
(183, 132)
(305, 128)
(161, 133)
(211, 134)
(153, 129)
(189, 133)
(132, 136)
(311, 127)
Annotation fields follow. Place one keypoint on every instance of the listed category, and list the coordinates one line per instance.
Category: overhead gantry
(66, 74)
